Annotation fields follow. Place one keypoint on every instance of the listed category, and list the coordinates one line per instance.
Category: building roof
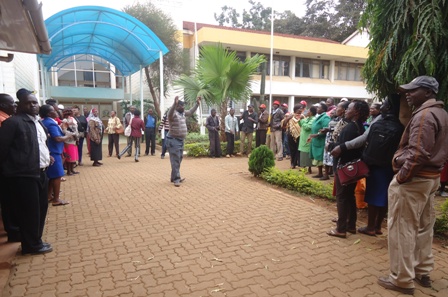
(22, 27)
(110, 34)
(190, 26)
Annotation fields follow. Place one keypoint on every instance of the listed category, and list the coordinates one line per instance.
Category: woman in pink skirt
(69, 124)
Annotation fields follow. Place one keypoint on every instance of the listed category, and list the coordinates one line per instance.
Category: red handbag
(351, 172)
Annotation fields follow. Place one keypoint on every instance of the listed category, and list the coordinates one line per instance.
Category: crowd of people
(41, 145)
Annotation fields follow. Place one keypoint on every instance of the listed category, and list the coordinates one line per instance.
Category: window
(280, 65)
(348, 71)
(84, 71)
(312, 68)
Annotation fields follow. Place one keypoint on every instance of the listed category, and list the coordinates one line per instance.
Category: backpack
(382, 141)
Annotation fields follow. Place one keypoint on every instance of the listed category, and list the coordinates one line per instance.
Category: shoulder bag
(353, 171)
(128, 130)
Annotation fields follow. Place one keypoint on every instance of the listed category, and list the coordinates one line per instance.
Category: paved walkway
(129, 232)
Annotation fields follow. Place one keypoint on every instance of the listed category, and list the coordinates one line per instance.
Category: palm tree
(219, 77)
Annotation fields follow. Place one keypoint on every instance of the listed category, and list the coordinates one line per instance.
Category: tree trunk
(155, 99)
(223, 110)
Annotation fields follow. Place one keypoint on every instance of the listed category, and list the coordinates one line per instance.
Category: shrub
(201, 149)
(297, 181)
(261, 158)
(441, 224)
(195, 138)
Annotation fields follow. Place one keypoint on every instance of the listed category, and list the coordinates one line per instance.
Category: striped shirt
(178, 122)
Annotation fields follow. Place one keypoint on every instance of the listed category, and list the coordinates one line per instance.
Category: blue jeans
(175, 147)
(164, 143)
(286, 151)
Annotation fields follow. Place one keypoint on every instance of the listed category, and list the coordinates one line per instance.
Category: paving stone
(222, 233)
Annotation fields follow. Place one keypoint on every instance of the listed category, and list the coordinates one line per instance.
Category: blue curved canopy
(110, 34)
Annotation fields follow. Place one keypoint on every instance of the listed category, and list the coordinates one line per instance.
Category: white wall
(21, 72)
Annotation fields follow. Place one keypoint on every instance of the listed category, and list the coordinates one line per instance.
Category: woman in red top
(137, 126)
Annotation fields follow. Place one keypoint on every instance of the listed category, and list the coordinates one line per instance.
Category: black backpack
(382, 141)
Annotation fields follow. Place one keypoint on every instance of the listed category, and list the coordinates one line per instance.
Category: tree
(330, 19)
(408, 39)
(218, 77)
(163, 26)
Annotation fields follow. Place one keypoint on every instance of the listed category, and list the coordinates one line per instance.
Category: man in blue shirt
(150, 132)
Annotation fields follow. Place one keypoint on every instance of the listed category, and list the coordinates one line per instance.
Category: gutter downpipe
(162, 92)
(43, 80)
(7, 59)
(35, 12)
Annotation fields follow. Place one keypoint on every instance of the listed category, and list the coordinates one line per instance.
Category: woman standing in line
(56, 147)
(304, 145)
(69, 124)
(355, 115)
(82, 130)
(112, 125)
(291, 124)
(95, 130)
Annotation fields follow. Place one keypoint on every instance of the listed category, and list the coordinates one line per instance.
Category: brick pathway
(129, 232)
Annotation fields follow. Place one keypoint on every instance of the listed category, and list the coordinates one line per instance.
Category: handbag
(128, 130)
(119, 130)
(353, 171)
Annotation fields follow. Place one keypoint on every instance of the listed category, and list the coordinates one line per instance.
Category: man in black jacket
(24, 158)
(249, 120)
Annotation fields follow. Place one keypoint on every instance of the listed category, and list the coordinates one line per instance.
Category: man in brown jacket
(417, 163)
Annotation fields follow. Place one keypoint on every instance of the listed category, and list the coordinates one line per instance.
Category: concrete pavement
(129, 232)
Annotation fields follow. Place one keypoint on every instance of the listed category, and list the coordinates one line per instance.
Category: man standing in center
(177, 117)
(276, 130)
(249, 120)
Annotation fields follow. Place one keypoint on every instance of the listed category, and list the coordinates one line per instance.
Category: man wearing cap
(417, 163)
(249, 121)
(24, 159)
(262, 126)
(276, 130)
(177, 116)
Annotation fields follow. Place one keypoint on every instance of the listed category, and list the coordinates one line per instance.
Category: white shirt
(44, 153)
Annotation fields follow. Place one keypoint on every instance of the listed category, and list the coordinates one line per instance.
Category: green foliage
(195, 138)
(330, 19)
(297, 181)
(441, 224)
(147, 104)
(201, 149)
(408, 39)
(261, 159)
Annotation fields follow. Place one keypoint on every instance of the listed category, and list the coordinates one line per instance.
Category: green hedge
(201, 149)
(295, 180)
(441, 224)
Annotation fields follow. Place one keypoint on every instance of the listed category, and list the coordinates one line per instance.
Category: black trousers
(293, 145)
(346, 204)
(260, 137)
(230, 143)
(9, 220)
(30, 207)
(113, 141)
(150, 135)
(215, 144)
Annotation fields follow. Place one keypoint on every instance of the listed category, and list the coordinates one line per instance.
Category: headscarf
(92, 117)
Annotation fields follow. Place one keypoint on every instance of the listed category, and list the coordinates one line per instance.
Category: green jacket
(318, 143)
(305, 125)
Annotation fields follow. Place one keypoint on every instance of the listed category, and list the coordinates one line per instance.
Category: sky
(201, 11)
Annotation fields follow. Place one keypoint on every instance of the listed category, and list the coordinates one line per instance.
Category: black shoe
(181, 180)
(387, 284)
(424, 281)
(119, 157)
(43, 250)
(162, 157)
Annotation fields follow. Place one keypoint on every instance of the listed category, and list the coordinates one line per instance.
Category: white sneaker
(227, 156)
(444, 194)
